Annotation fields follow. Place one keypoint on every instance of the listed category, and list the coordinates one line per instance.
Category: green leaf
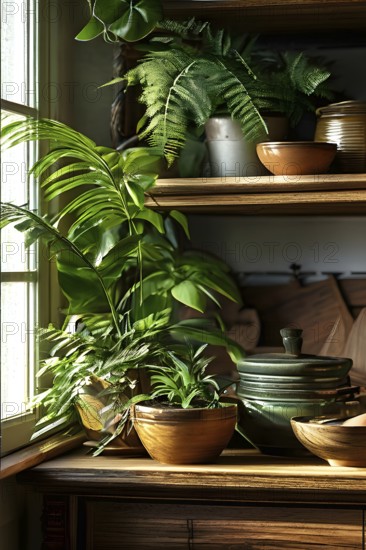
(222, 284)
(200, 330)
(117, 255)
(136, 193)
(116, 80)
(92, 29)
(138, 19)
(181, 219)
(153, 217)
(188, 294)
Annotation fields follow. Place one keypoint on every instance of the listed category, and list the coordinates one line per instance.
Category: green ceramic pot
(275, 387)
(267, 424)
(293, 362)
(307, 383)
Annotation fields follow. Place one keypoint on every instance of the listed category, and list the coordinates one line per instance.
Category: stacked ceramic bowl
(275, 387)
(345, 124)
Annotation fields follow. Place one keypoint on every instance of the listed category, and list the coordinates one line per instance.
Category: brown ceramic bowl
(338, 444)
(289, 158)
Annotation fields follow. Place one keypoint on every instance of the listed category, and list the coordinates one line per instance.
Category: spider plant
(184, 382)
(114, 257)
(178, 380)
(192, 73)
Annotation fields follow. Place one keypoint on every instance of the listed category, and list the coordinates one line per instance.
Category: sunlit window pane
(15, 189)
(19, 80)
(14, 61)
(17, 324)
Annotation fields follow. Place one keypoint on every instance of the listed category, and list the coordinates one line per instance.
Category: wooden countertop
(238, 476)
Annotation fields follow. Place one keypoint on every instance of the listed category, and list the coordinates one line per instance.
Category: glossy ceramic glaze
(338, 444)
(256, 381)
(231, 153)
(283, 365)
(289, 158)
(345, 124)
(275, 387)
(267, 424)
(184, 436)
(297, 395)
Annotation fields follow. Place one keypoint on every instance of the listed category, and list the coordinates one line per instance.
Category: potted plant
(191, 73)
(182, 420)
(118, 266)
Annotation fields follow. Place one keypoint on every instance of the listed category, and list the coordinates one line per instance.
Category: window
(20, 81)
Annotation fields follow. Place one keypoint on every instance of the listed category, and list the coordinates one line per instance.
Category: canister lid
(292, 341)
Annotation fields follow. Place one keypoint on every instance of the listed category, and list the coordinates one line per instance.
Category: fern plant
(193, 73)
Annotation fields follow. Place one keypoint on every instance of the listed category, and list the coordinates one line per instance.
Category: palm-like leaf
(59, 245)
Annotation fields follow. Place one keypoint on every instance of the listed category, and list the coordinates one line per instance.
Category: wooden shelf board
(260, 184)
(321, 194)
(239, 475)
(275, 15)
(38, 452)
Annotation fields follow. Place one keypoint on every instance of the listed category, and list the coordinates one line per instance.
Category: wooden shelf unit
(333, 194)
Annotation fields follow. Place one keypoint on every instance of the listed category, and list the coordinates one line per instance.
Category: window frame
(17, 430)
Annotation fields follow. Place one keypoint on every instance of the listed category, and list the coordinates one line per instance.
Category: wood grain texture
(179, 526)
(339, 445)
(355, 348)
(35, 454)
(321, 194)
(184, 436)
(315, 308)
(238, 476)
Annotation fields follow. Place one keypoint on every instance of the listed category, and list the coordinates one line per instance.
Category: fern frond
(174, 94)
(305, 76)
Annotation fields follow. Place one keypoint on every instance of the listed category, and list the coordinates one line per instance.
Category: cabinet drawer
(112, 525)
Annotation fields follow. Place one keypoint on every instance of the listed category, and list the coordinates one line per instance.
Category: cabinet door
(112, 525)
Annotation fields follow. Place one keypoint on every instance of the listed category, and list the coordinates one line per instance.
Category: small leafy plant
(184, 383)
(179, 381)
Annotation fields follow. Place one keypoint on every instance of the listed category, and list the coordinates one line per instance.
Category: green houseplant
(183, 420)
(119, 268)
(190, 73)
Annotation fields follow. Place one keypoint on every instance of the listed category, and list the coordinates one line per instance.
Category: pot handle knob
(292, 340)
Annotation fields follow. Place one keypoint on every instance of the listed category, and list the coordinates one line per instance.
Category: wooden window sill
(39, 452)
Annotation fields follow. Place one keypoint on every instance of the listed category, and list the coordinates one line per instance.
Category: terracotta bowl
(289, 158)
(338, 444)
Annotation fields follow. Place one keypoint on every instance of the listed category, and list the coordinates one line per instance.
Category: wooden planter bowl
(339, 445)
(184, 436)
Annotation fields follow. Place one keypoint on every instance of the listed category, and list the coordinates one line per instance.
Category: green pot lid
(293, 361)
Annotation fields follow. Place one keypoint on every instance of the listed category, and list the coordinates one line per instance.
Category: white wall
(269, 245)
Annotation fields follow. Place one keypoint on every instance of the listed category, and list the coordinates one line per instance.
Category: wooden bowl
(338, 444)
(289, 158)
(184, 436)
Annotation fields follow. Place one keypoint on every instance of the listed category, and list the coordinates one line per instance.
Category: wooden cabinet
(246, 500)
